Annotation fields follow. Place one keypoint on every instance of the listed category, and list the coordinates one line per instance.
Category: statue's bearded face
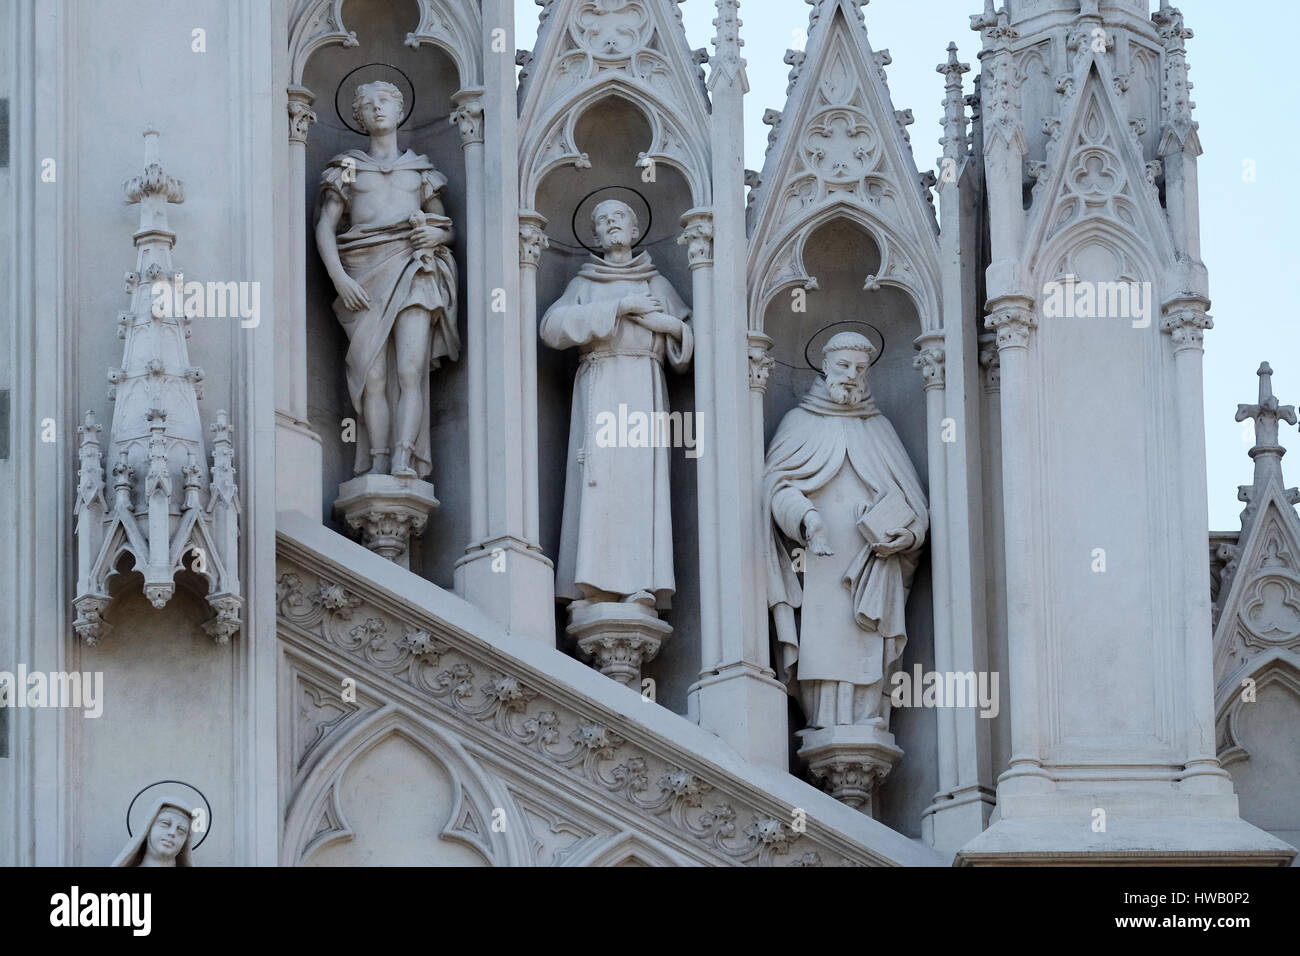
(167, 835)
(615, 225)
(846, 375)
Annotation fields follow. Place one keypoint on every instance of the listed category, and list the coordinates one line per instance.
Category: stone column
(1185, 321)
(737, 696)
(468, 118)
(1013, 319)
(962, 806)
(503, 570)
(930, 362)
(299, 468)
(761, 364)
(994, 553)
(532, 242)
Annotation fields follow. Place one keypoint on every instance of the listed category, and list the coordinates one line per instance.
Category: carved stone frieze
(709, 813)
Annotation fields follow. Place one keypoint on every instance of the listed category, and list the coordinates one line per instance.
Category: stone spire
(1267, 452)
(157, 442)
(954, 140)
(1176, 103)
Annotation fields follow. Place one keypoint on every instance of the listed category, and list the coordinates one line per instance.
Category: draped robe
(396, 276)
(840, 460)
(616, 532)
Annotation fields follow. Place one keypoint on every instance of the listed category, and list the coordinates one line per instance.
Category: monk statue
(616, 537)
(396, 281)
(840, 487)
(165, 838)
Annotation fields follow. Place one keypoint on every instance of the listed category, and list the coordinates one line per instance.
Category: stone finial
(1267, 413)
(1176, 103)
(954, 106)
(728, 64)
(155, 388)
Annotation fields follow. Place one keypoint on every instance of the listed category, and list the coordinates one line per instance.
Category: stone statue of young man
(616, 539)
(839, 484)
(396, 283)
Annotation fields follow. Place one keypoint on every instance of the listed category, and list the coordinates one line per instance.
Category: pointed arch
(1094, 179)
(780, 267)
(554, 145)
(838, 151)
(454, 28)
(1275, 667)
(315, 817)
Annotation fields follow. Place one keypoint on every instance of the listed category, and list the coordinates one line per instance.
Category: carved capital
(617, 638)
(90, 624)
(1186, 325)
(930, 362)
(697, 237)
(1014, 325)
(301, 115)
(468, 116)
(991, 362)
(761, 362)
(226, 622)
(386, 512)
(532, 238)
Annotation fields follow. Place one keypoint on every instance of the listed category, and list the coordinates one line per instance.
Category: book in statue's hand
(886, 516)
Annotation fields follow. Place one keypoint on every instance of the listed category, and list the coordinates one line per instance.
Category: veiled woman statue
(164, 841)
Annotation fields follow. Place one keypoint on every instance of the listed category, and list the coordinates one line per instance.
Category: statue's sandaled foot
(402, 461)
(379, 462)
(641, 597)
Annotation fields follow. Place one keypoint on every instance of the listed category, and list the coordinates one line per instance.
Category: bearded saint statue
(839, 485)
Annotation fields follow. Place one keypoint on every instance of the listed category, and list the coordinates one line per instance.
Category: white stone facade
(339, 668)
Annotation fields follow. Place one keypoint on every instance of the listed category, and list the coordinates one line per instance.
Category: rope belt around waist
(597, 354)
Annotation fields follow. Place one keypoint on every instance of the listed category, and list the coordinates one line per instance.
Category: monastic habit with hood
(841, 460)
(616, 534)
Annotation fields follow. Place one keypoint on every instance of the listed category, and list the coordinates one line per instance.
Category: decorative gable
(843, 150)
(590, 49)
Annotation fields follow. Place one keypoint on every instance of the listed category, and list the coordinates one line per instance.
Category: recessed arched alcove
(845, 260)
(428, 77)
(614, 133)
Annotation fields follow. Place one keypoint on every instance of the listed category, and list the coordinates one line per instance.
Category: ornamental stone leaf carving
(717, 818)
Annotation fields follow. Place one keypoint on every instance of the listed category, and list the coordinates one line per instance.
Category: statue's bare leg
(411, 331)
(375, 413)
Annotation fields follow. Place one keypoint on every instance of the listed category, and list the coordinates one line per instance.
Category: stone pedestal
(617, 637)
(851, 762)
(386, 511)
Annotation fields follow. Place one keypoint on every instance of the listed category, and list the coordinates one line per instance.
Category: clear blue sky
(1240, 58)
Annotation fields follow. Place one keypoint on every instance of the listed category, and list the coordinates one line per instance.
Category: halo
(824, 335)
(376, 71)
(176, 788)
(640, 205)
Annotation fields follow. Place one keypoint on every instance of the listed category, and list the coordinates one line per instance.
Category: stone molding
(330, 611)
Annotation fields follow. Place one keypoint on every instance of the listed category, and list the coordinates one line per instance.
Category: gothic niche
(393, 511)
(612, 137)
(836, 279)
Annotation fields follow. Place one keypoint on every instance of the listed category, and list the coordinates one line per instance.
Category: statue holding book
(840, 487)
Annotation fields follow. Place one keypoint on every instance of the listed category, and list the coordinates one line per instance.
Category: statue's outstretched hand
(352, 294)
